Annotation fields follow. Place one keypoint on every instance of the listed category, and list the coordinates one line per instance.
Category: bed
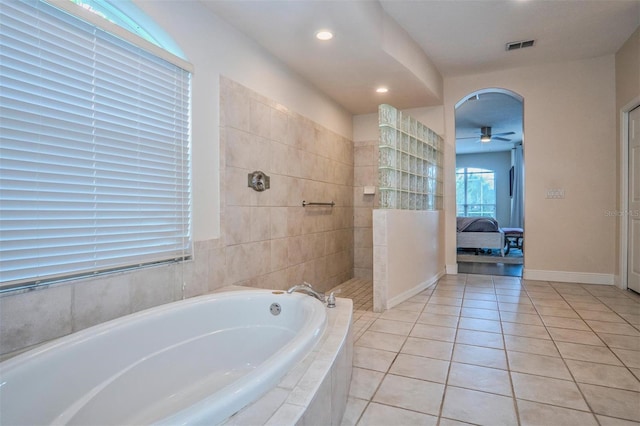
(480, 233)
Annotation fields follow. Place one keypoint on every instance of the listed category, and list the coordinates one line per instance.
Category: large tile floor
(480, 349)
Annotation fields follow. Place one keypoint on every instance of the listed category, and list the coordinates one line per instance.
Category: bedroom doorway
(490, 182)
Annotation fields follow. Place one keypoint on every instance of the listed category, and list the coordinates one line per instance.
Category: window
(95, 153)
(475, 192)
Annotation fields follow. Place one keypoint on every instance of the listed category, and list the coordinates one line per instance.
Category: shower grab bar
(305, 204)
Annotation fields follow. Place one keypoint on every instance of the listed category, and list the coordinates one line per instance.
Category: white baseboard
(452, 269)
(396, 300)
(568, 277)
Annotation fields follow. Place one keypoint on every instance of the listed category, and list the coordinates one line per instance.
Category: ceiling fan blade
(469, 137)
(500, 139)
(504, 134)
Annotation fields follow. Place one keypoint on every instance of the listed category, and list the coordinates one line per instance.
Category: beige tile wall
(271, 240)
(268, 239)
(365, 174)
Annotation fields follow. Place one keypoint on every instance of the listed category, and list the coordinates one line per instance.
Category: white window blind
(94, 150)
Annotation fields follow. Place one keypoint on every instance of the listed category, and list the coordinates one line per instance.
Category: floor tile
(620, 341)
(612, 402)
(610, 421)
(480, 296)
(449, 301)
(384, 415)
(629, 358)
(412, 394)
(590, 353)
(480, 338)
(399, 315)
(428, 348)
(562, 393)
(525, 330)
(613, 328)
(535, 414)
(480, 378)
(478, 407)
(540, 365)
(410, 306)
(442, 309)
(353, 411)
(530, 345)
(372, 359)
(531, 319)
(488, 314)
(364, 383)
(574, 336)
(481, 304)
(438, 319)
(600, 316)
(391, 327)
(434, 332)
(418, 367)
(479, 325)
(554, 334)
(384, 341)
(603, 375)
(515, 307)
(476, 355)
(562, 322)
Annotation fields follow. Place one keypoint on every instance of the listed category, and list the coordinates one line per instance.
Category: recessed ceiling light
(382, 90)
(324, 35)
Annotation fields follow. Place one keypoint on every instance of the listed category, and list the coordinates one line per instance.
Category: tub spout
(306, 287)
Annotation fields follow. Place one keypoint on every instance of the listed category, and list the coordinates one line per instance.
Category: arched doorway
(489, 127)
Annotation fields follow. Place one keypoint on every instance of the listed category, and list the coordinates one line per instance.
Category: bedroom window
(95, 155)
(475, 192)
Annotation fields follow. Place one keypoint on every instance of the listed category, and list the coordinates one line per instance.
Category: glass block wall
(410, 163)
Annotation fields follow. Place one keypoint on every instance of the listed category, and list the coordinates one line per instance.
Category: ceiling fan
(486, 136)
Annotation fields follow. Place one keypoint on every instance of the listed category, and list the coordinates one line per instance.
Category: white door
(633, 214)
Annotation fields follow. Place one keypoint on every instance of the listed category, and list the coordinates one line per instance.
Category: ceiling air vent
(519, 44)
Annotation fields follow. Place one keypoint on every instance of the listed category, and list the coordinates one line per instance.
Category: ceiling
(409, 46)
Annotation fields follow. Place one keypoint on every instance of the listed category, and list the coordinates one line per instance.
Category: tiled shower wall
(268, 238)
(365, 174)
(271, 240)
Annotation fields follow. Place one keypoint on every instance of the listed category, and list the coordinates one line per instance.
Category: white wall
(500, 163)
(569, 143)
(408, 254)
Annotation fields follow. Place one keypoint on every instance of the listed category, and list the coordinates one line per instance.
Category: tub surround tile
(35, 316)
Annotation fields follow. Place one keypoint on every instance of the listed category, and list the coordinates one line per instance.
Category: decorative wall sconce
(259, 181)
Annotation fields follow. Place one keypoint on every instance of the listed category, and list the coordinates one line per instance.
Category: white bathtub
(196, 361)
